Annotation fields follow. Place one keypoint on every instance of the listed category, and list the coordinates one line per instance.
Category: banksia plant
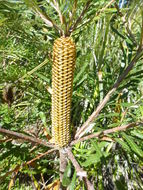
(64, 52)
(104, 150)
(62, 79)
(64, 56)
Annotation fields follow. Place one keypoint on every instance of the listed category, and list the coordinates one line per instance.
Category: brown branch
(26, 137)
(34, 70)
(18, 167)
(80, 172)
(39, 156)
(108, 131)
(63, 163)
(73, 27)
(94, 115)
(126, 24)
(74, 7)
(47, 20)
(44, 16)
(5, 140)
(97, 14)
(57, 8)
(104, 8)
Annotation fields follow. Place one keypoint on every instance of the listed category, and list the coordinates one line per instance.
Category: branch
(72, 14)
(43, 16)
(18, 167)
(26, 138)
(97, 14)
(39, 156)
(80, 172)
(47, 20)
(63, 163)
(126, 24)
(85, 126)
(73, 27)
(108, 131)
(34, 70)
(57, 8)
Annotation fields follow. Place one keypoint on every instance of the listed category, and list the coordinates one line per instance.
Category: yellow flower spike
(64, 53)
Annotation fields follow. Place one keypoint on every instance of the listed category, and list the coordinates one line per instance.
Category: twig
(80, 172)
(104, 8)
(108, 131)
(94, 115)
(57, 8)
(97, 14)
(126, 24)
(73, 27)
(34, 70)
(39, 156)
(88, 184)
(63, 163)
(26, 138)
(11, 183)
(5, 140)
(126, 110)
(72, 14)
(17, 168)
(45, 17)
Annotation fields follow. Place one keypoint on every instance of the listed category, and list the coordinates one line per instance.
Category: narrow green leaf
(77, 77)
(73, 182)
(141, 110)
(66, 177)
(137, 134)
(133, 145)
(42, 77)
(92, 159)
(95, 145)
(43, 118)
(123, 144)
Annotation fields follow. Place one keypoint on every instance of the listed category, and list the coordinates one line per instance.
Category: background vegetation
(107, 40)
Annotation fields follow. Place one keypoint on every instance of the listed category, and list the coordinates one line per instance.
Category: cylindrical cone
(64, 52)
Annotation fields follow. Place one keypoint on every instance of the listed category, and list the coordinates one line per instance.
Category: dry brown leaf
(54, 186)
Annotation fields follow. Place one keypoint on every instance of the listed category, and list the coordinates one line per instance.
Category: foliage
(105, 46)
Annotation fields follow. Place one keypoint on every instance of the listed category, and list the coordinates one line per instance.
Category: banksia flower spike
(62, 80)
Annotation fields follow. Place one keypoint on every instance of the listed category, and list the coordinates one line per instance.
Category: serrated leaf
(123, 144)
(126, 104)
(103, 144)
(95, 145)
(77, 77)
(137, 134)
(92, 159)
(133, 145)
